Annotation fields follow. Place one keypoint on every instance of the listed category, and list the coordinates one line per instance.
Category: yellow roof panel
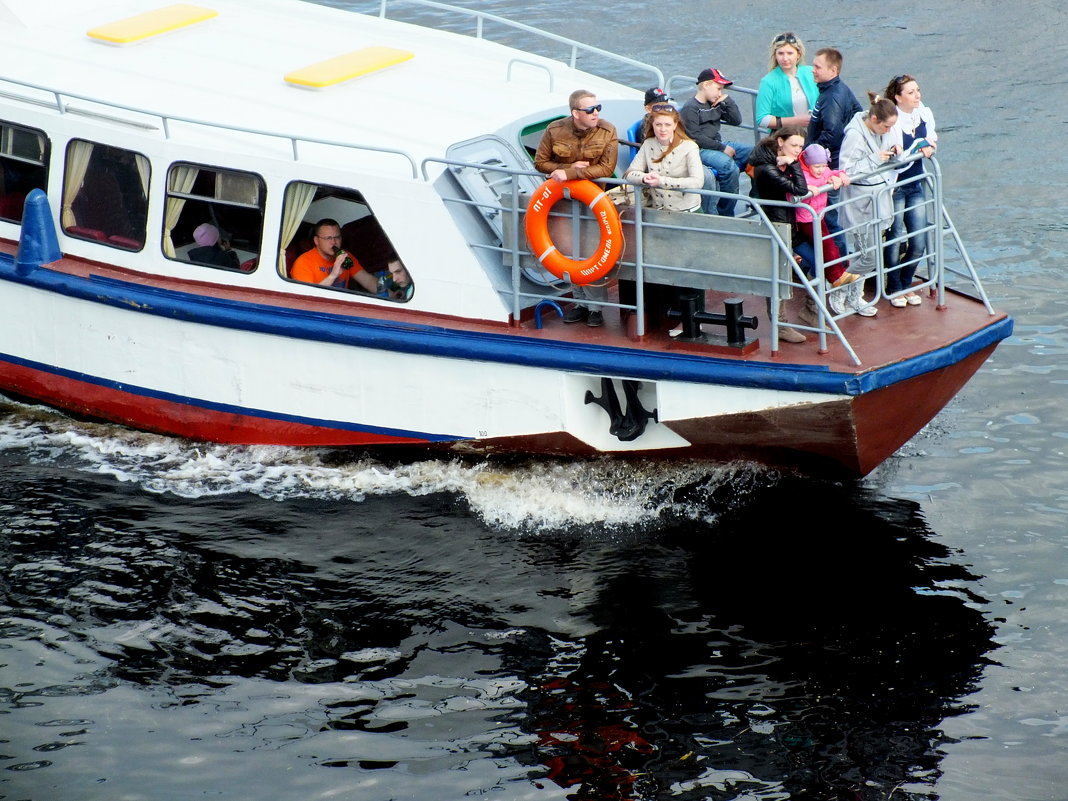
(348, 66)
(151, 23)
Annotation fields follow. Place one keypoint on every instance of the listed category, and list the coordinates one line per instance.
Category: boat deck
(893, 335)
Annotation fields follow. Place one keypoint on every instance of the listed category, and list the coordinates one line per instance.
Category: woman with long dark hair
(915, 125)
(777, 175)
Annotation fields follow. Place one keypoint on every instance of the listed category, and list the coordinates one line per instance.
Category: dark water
(186, 622)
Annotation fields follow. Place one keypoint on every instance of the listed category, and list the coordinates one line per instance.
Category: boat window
(23, 166)
(304, 257)
(105, 194)
(213, 217)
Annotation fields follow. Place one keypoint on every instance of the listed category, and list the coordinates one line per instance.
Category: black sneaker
(576, 314)
(595, 320)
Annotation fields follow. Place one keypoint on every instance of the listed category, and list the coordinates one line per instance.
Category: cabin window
(306, 258)
(213, 217)
(105, 194)
(23, 166)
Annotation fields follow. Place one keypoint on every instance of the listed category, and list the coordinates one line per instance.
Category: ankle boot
(809, 314)
(786, 334)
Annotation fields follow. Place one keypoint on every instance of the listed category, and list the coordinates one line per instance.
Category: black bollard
(692, 313)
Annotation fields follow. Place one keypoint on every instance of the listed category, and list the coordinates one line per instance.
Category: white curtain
(78, 155)
(182, 178)
(299, 197)
(142, 172)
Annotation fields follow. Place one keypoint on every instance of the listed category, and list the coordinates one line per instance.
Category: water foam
(531, 495)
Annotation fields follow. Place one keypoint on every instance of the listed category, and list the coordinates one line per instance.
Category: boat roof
(290, 67)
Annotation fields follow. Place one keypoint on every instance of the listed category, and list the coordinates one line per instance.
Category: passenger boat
(126, 127)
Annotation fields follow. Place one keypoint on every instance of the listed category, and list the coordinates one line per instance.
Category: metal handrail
(781, 250)
(576, 46)
(62, 98)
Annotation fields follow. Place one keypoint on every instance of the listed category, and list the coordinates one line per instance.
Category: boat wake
(532, 495)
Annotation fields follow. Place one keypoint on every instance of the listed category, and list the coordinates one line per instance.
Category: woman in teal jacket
(788, 92)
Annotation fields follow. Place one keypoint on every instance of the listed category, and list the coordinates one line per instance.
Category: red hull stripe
(189, 417)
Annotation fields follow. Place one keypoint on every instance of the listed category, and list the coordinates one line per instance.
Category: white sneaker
(899, 303)
(857, 303)
(913, 299)
(838, 302)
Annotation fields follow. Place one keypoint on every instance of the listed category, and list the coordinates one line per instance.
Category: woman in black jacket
(777, 171)
(776, 174)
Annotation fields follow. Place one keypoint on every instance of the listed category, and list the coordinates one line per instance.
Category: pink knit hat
(206, 235)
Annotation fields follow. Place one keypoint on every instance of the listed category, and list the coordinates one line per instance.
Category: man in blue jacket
(835, 107)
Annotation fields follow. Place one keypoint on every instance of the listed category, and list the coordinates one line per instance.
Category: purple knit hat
(206, 235)
(816, 154)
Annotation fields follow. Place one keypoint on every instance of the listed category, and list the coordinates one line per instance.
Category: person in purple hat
(701, 116)
(213, 248)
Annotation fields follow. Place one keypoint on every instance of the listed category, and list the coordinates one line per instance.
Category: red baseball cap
(712, 74)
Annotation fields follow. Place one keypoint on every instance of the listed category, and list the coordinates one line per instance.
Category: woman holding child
(777, 175)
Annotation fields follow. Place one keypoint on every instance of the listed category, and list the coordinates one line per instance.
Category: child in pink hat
(815, 163)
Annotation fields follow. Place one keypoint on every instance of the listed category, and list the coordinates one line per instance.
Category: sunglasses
(589, 109)
(662, 107)
(785, 38)
(900, 79)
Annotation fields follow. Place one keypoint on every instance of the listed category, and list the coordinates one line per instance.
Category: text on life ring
(609, 248)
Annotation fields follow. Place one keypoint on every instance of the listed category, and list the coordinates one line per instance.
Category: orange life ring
(609, 249)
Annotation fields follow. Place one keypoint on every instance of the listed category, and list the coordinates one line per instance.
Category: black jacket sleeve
(775, 184)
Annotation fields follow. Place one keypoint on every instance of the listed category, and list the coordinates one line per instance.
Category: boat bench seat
(126, 242)
(11, 206)
(84, 232)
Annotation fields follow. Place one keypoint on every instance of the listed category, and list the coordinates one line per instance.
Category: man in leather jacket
(576, 147)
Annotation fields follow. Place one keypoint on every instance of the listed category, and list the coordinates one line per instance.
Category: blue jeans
(708, 203)
(910, 214)
(727, 171)
(834, 196)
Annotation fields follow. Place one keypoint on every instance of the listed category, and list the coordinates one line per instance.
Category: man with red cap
(701, 116)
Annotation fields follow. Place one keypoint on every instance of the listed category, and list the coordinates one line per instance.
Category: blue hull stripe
(488, 347)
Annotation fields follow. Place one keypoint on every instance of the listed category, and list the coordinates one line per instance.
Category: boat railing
(782, 275)
(869, 241)
(147, 119)
(575, 48)
(778, 278)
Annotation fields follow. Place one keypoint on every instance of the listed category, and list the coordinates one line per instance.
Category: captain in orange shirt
(324, 264)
